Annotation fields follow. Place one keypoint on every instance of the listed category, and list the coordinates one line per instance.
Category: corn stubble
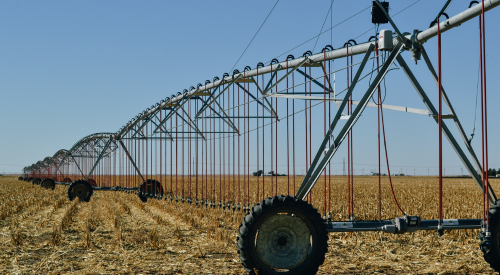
(117, 233)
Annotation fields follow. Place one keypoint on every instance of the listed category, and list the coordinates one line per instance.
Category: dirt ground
(42, 232)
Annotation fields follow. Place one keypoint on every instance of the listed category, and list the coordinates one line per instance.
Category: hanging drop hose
(379, 106)
(440, 123)
(485, 120)
(387, 161)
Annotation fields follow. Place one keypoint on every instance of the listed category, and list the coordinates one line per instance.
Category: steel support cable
(255, 35)
(391, 16)
(330, 10)
(345, 20)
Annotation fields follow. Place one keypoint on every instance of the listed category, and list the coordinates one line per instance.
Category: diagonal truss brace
(100, 157)
(316, 169)
(214, 99)
(446, 130)
(174, 110)
(315, 81)
(252, 96)
(131, 159)
(452, 110)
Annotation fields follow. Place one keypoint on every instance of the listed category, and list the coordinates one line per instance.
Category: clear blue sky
(73, 68)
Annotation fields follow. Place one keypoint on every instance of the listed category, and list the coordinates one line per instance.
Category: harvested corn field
(43, 232)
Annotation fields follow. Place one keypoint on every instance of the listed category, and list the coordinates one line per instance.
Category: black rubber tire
(48, 183)
(92, 182)
(36, 181)
(81, 189)
(30, 179)
(20, 178)
(149, 187)
(269, 207)
(491, 247)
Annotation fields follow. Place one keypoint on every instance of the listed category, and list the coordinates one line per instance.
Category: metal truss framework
(181, 117)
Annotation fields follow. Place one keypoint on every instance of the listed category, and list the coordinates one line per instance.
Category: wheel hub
(80, 191)
(283, 242)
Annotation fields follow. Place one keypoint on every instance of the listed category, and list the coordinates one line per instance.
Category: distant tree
(258, 173)
(492, 172)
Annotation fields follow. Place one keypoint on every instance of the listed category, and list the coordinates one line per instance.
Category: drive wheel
(149, 187)
(81, 189)
(36, 181)
(491, 246)
(48, 184)
(92, 182)
(282, 235)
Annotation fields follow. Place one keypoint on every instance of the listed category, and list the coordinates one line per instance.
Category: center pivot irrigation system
(202, 147)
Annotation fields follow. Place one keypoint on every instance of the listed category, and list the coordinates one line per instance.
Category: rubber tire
(92, 182)
(36, 181)
(76, 183)
(252, 220)
(143, 189)
(491, 248)
(30, 179)
(48, 183)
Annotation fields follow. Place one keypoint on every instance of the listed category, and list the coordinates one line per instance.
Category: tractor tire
(81, 189)
(92, 182)
(149, 188)
(491, 246)
(48, 183)
(282, 235)
(36, 181)
(30, 179)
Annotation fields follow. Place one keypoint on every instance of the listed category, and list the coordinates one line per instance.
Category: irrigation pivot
(220, 144)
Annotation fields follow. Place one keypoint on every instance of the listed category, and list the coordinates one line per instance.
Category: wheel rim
(80, 191)
(284, 241)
